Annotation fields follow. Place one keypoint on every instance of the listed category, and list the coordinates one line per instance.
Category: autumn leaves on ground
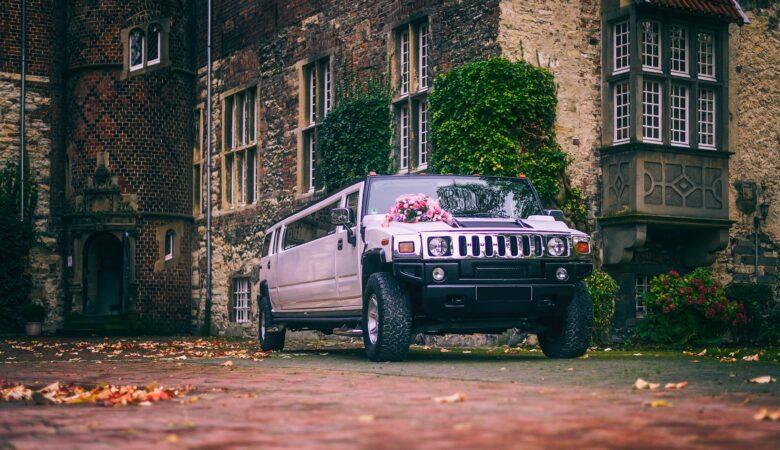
(218, 393)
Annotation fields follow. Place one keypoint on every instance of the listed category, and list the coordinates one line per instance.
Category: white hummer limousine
(392, 256)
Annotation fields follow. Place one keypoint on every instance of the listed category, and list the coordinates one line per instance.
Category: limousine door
(348, 260)
(306, 263)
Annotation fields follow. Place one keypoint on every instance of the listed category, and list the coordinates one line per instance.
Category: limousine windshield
(461, 196)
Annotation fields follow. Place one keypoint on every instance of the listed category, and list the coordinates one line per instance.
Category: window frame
(685, 49)
(657, 45)
(412, 74)
(714, 64)
(170, 240)
(714, 123)
(240, 297)
(316, 100)
(239, 139)
(641, 281)
(686, 110)
(627, 46)
(423, 134)
(136, 67)
(627, 116)
(659, 116)
(151, 62)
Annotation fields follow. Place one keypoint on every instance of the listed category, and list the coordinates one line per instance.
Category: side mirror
(556, 214)
(341, 216)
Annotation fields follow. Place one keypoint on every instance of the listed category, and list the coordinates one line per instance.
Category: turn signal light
(406, 247)
(583, 247)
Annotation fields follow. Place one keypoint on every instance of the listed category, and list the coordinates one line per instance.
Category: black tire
(568, 335)
(269, 340)
(394, 319)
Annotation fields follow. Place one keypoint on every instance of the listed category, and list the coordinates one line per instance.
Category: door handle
(341, 244)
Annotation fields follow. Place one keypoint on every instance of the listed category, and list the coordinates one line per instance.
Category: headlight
(582, 244)
(556, 246)
(439, 246)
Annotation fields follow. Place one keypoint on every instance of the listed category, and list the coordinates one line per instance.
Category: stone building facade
(117, 133)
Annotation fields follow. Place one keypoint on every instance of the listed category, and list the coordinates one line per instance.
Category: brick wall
(755, 109)
(143, 122)
(262, 42)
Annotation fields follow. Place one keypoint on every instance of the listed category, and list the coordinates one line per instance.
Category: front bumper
(477, 289)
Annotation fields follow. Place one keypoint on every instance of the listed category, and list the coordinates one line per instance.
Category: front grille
(489, 245)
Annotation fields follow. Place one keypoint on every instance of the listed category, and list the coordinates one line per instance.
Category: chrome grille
(496, 245)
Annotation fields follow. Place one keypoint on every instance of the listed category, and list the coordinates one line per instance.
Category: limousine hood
(532, 223)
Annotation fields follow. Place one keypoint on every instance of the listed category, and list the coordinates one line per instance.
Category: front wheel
(271, 337)
(568, 335)
(387, 318)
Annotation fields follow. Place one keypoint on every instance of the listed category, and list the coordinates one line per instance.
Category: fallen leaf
(462, 427)
(454, 398)
(750, 358)
(637, 354)
(228, 363)
(641, 384)
(444, 350)
(366, 418)
(679, 385)
(607, 349)
(172, 438)
(765, 414)
(763, 379)
(659, 404)
(702, 353)
(466, 352)
(585, 356)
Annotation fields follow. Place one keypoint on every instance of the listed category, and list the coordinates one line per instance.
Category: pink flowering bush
(688, 309)
(413, 208)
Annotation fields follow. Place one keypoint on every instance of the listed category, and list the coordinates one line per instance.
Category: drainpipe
(207, 319)
(22, 97)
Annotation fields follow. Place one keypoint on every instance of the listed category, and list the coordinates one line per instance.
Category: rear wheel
(387, 318)
(568, 335)
(271, 335)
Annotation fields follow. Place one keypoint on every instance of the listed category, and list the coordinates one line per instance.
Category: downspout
(22, 97)
(207, 318)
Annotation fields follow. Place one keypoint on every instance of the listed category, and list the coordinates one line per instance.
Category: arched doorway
(103, 274)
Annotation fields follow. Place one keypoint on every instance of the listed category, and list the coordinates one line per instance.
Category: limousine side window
(308, 228)
(352, 203)
(267, 243)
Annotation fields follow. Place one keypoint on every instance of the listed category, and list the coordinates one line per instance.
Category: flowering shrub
(603, 292)
(689, 308)
(413, 208)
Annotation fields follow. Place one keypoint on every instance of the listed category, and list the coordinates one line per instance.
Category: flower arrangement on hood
(414, 208)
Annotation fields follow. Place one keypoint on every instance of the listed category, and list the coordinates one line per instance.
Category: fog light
(562, 274)
(438, 274)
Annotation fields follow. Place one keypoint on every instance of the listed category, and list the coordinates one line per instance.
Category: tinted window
(352, 203)
(266, 250)
(308, 228)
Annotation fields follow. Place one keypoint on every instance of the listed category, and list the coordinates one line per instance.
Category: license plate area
(504, 294)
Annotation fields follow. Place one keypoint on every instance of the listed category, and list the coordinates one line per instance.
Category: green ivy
(355, 137)
(603, 292)
(17, 237)
(497, 117)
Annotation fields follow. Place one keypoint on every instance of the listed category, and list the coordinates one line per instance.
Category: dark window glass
(153, 51)
(309, 228)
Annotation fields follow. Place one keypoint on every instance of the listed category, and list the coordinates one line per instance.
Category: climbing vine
(497, 117)
(355, 137)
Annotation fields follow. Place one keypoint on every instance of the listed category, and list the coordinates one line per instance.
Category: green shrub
(355, 137)
(763, 312)
(603, 292)
(688, 309)
(497, 117)
(17, 239)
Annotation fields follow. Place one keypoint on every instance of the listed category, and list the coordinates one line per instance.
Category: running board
(346, 331)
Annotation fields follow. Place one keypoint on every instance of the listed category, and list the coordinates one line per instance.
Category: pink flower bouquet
(413, 208)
